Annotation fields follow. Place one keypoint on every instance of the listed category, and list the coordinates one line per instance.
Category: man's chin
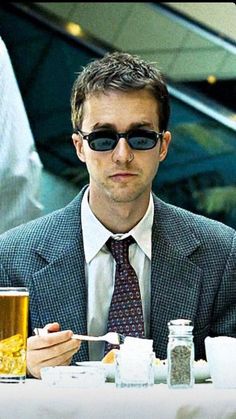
(124, 196)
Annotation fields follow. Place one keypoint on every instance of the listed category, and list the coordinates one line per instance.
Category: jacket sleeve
(224, 315)
(4, 279)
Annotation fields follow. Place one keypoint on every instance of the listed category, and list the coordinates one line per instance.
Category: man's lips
(122, 175)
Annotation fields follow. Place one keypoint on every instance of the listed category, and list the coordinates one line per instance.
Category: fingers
(52, 327)
(34, 363)
(50, 339)
(52, 349)
(61, 359)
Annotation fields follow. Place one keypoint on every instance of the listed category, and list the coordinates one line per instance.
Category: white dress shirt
(100, 270)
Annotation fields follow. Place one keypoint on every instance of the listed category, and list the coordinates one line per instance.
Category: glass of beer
(14, 303)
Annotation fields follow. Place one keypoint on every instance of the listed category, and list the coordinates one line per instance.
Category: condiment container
(134, 363)
(180, 354)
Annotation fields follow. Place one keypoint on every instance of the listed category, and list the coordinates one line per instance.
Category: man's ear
(78, 143)
(165, 145)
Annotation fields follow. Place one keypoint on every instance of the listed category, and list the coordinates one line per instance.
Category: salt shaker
(180, 354)
(134, 363)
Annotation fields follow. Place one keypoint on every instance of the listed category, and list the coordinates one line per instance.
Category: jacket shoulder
(176, 221)
(58, 225)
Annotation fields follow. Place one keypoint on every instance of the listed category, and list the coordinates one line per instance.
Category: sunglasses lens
(143, 140)
(102, 141)
(107, 140)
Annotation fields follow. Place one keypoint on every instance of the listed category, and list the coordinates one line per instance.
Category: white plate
(201, 371)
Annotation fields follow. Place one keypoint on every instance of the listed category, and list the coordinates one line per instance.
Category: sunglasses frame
(87, 136)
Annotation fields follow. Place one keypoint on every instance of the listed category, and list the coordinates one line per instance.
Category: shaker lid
(180, 322)
(180, 327)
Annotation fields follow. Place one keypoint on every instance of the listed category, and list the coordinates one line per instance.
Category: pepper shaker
(180, 354)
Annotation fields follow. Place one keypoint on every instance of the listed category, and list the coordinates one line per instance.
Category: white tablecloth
(35, 400)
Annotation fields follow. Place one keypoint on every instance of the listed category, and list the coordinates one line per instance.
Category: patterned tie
(125, 314)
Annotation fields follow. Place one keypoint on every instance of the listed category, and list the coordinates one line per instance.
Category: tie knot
(120, 249)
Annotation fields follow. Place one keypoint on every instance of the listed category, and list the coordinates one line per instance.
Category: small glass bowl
(71, 376)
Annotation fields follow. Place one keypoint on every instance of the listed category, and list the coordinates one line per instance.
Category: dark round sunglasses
(106, 140)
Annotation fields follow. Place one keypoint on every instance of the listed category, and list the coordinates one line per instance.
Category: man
(186, 264)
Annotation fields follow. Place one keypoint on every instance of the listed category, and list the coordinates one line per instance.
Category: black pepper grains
(180, 354)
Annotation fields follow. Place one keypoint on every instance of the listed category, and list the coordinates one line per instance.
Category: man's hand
(52, 349)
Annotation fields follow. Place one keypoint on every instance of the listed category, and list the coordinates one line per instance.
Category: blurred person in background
(20, 166)
(185, 263)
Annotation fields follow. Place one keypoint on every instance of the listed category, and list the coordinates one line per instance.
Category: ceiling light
(211, 79)
(74, 29)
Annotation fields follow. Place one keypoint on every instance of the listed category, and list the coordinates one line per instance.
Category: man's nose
(122, 153)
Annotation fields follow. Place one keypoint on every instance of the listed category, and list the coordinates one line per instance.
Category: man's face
(123, 174)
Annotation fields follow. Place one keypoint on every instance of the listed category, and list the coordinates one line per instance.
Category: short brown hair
(119, 71)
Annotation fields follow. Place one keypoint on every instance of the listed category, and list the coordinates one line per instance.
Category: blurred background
(194, 45)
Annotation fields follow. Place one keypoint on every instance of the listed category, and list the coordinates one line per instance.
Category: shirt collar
(142, 232)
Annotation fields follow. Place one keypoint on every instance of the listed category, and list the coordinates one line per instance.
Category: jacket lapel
(58, 290)
(175, 279)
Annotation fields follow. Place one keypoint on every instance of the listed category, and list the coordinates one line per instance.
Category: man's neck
(119, 217)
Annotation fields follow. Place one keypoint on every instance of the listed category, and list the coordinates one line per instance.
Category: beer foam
(5, 292)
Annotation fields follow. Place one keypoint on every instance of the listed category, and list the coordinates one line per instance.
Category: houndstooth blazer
(193, 272)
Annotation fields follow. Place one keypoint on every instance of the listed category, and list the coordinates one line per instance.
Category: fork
(111, 337)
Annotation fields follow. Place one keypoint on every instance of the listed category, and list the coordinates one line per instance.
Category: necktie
(125, 314)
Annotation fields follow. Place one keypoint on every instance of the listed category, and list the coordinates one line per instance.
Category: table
(35, 400)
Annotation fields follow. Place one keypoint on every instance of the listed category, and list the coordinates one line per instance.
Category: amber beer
(14, 304)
